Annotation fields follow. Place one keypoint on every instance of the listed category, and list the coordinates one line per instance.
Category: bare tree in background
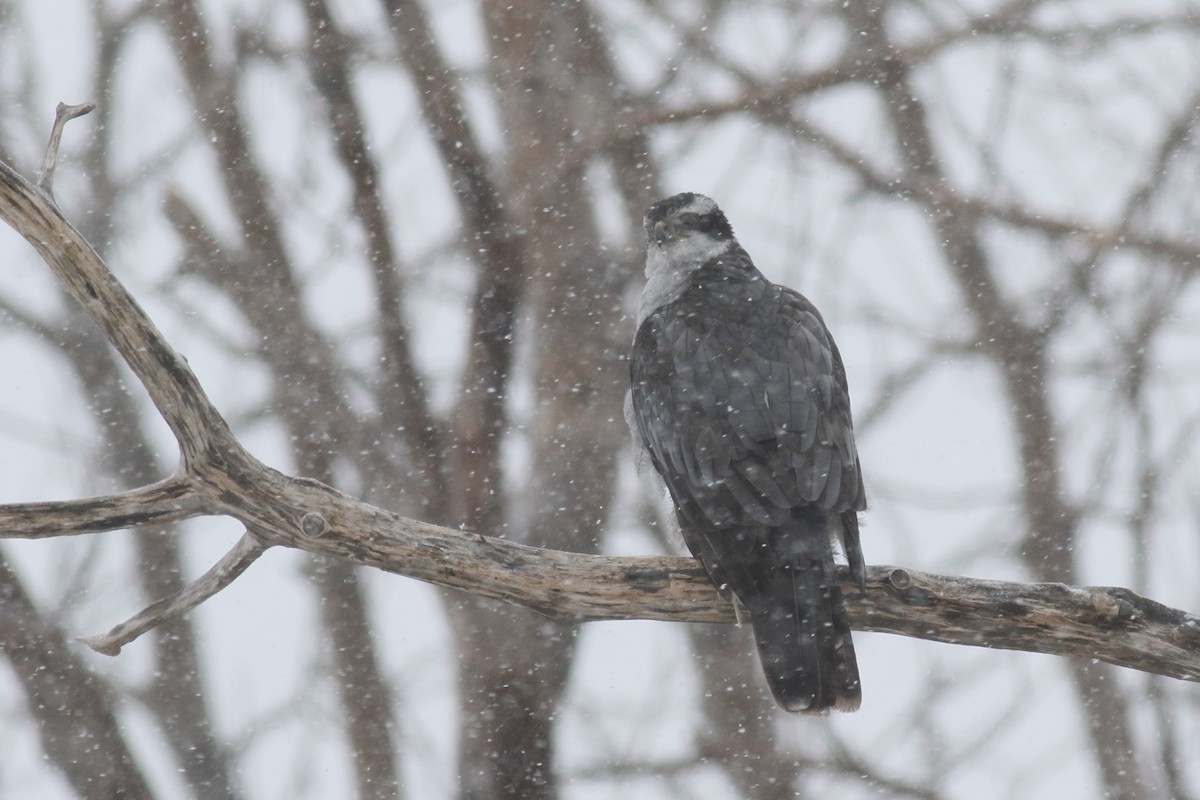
(404, 235)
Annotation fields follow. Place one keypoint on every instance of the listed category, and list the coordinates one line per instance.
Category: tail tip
(847, 700)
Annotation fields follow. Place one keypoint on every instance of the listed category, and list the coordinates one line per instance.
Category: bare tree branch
(62, 115)
(1107, 624)
(168, 501)
(1113, 625)
(938, 194)
(173, 387)
(224, 572)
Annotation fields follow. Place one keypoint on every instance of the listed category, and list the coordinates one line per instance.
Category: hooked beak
(658, 232)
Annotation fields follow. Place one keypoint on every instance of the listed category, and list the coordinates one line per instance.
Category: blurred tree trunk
(738, 730)
(514, 664)
(308, 388)
(76, 717)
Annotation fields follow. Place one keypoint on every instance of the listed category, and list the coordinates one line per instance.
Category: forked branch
(62, 115)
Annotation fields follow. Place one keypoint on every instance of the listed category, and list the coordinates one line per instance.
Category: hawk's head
(683, 233)
(687, 222)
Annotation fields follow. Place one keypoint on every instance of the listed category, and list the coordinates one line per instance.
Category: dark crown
(689, 211)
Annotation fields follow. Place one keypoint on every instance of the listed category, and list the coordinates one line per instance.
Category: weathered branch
(173, 387)
(224, 572)
(164, 502)
(1104, 623)
(1108, 624)
(1112, 625)
(62, 115)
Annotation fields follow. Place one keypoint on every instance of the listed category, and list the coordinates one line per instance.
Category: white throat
(668, 269)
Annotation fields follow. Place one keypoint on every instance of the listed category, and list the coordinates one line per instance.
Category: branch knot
(312, 525)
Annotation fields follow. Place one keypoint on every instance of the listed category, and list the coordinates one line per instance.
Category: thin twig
(224, 572)
(936, 194)
(62, 115)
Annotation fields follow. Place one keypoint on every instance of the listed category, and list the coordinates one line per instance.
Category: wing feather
(740, 391)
